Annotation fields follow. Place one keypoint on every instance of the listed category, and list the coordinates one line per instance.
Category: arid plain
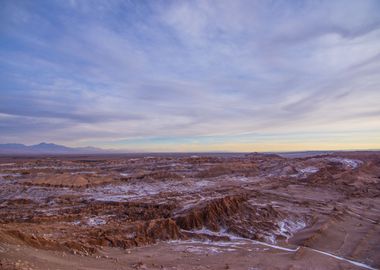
(186, 211)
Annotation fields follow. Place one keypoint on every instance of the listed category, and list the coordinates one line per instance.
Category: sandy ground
(231, 211)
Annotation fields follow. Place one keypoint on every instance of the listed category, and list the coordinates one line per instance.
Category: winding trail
(234, 237)
(318, 251)
(343, 259)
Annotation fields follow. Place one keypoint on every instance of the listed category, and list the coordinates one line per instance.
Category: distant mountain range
(47, 148)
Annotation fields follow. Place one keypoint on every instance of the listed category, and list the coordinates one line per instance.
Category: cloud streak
(174, 73)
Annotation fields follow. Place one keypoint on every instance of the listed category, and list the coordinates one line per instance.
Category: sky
(191, 75)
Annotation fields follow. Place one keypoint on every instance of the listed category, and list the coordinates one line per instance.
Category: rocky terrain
(183, 211)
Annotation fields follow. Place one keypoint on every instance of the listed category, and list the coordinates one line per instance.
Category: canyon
(190, 211)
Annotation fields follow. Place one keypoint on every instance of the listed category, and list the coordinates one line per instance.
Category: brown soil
(183, 212)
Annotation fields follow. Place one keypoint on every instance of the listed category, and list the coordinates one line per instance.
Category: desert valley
(189, 135)
(186, 211)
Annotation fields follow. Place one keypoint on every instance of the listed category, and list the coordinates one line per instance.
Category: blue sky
(191, 75)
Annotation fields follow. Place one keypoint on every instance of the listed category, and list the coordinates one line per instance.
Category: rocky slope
(308, 207)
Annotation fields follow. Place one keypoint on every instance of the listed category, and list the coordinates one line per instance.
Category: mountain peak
(45, 143)
(46, 148)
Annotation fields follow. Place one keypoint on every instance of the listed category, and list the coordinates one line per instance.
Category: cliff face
(214, 214)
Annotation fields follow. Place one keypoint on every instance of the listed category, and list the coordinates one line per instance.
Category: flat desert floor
(185, 211)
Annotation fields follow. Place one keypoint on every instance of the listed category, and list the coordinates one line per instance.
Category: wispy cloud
(116, 73)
